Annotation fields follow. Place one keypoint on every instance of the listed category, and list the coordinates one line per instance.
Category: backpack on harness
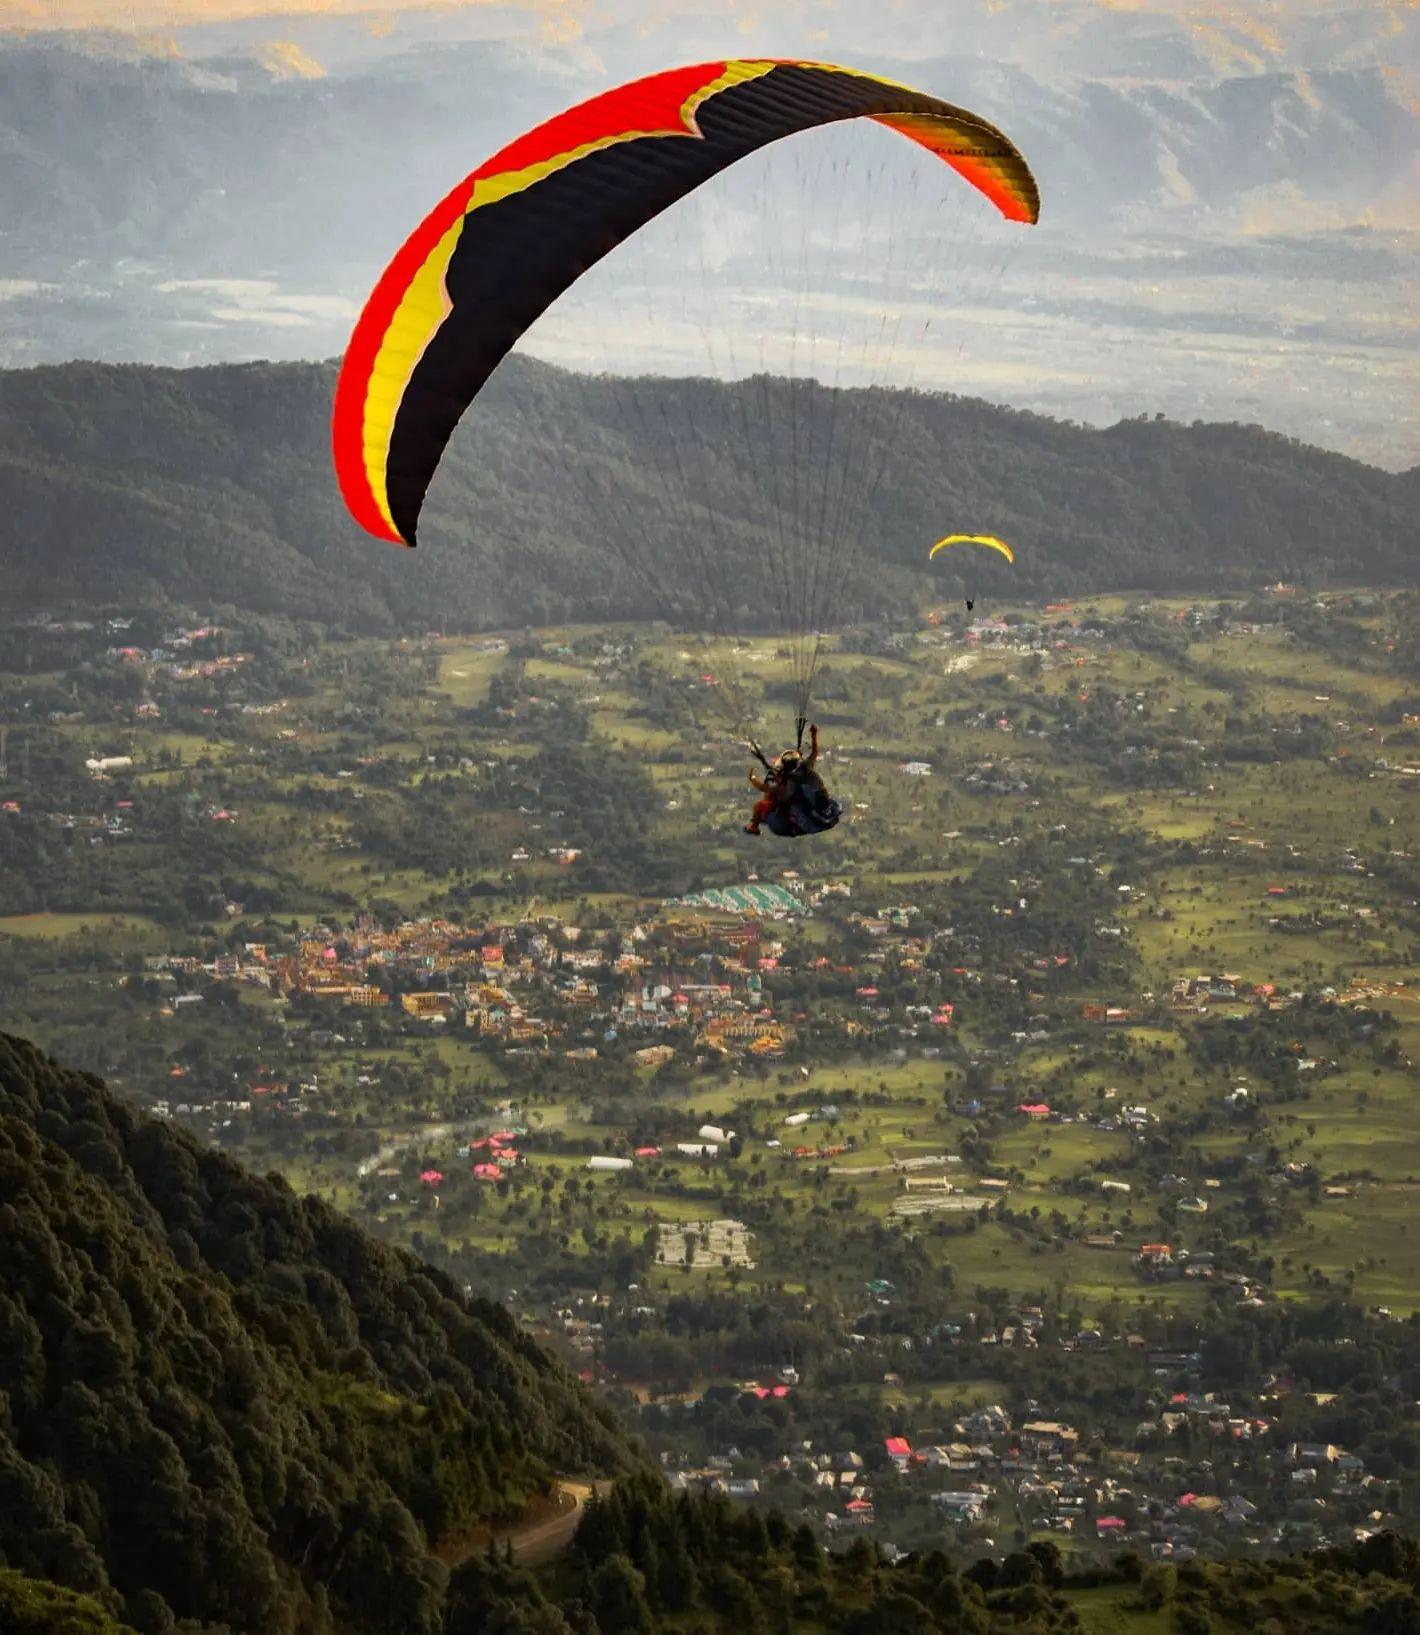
(803, 813)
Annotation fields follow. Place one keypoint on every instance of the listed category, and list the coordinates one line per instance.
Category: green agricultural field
(948, 1397)
(1046, 1152)
(116, 928)
(1113, 1609)
(1364, 1244)
(443, 792)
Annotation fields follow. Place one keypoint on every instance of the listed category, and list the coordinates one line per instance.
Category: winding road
(538, 1540)
(532, 1541)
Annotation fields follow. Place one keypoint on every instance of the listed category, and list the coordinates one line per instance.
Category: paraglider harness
(799, 808)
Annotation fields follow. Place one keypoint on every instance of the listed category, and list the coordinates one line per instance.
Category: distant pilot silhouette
(970, 604)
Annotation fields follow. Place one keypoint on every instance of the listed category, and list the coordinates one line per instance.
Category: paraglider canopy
(989, 540)
(518, 231)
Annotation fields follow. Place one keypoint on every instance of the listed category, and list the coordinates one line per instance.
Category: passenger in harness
(793, 799)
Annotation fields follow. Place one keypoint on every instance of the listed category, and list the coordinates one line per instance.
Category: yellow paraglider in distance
(974, 539)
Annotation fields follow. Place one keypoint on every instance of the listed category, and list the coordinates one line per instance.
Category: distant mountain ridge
(1228, 225)
(213, 487)
(172, 160)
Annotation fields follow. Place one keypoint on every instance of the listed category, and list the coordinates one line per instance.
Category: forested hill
(213, 487)
(227, 1404)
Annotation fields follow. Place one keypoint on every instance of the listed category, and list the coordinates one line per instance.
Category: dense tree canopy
(214, 486)
(223, 1402)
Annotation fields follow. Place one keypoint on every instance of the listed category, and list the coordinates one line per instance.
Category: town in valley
(1030, 1159)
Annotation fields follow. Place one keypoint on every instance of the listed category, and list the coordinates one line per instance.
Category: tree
(1051, 1561)
(1158, 1585)
(1017, 1569)
(892, 1614)
(619, 1598)
(807, 1552)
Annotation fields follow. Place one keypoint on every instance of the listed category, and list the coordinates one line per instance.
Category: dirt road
(549, 1530)
(537, 1540)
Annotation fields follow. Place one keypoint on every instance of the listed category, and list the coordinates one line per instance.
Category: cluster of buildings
(535, 982)
(172, 658)
(1156, 1492)
(1197, 993)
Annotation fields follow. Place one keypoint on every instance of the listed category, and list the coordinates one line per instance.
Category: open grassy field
(1112, 1610)
(54, 927)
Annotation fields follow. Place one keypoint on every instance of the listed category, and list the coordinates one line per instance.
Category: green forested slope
(30, 1606)
(214, 486)
(223, 1402)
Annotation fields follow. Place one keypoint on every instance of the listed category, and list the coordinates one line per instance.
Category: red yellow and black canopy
(510, 238)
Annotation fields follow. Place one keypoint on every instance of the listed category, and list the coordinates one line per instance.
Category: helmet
(789, 761)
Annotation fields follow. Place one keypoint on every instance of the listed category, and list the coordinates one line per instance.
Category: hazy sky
(124, 14)
(1266, 21)
(127, 14)
(1231, 221)
(115, 13)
